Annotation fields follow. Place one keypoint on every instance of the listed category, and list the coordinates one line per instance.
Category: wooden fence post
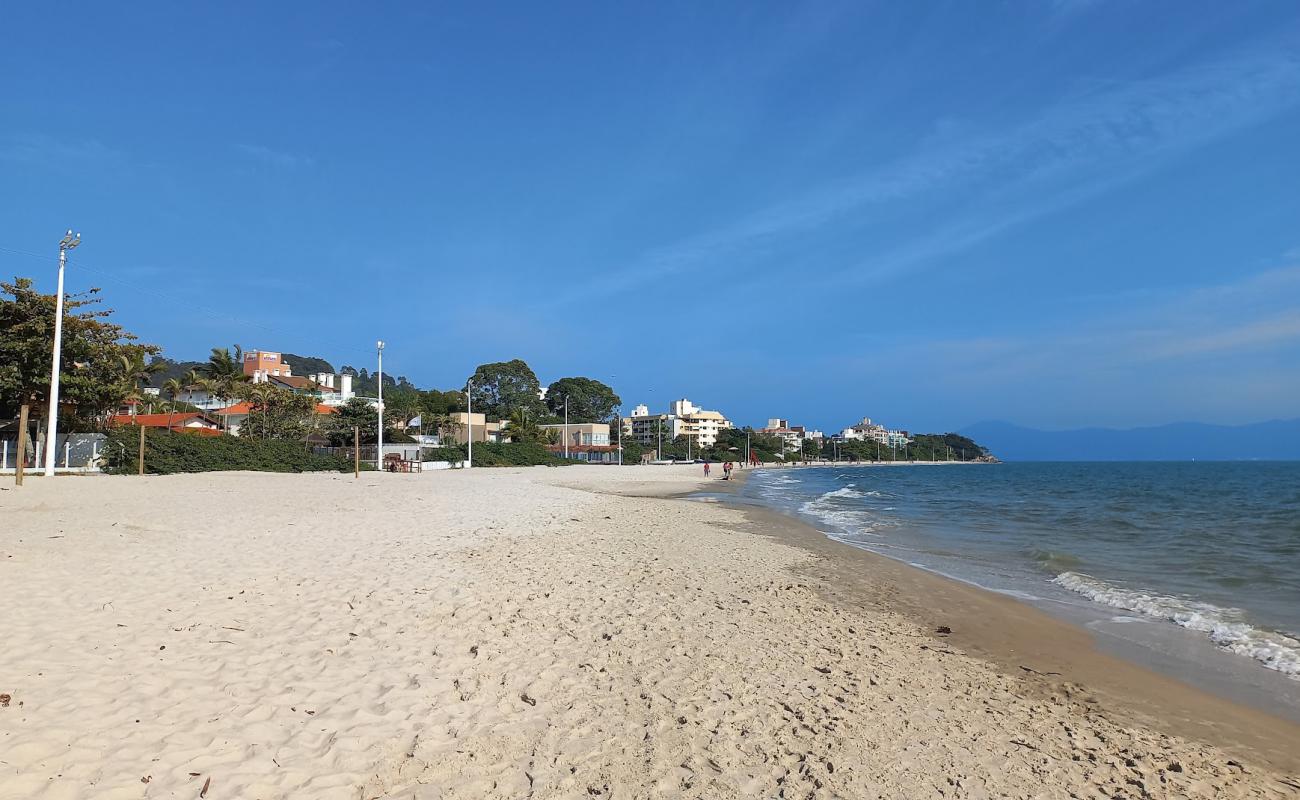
(356, 451)
(141, 468)
(22, 445)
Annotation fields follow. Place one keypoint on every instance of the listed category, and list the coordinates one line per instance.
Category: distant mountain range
(1179, 441)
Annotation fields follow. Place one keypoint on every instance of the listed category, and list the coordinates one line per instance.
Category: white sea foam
(844, 491)
(829, 508)
(1223, 625)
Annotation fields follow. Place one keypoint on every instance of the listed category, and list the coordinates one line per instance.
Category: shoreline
(1049, 653)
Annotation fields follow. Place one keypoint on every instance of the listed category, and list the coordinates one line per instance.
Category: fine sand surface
(521, 633)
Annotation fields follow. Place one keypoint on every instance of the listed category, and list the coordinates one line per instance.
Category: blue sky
(1055, 213)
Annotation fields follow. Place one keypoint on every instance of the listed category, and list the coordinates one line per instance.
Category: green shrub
(166, 453)
(453, 453)
(515, 454)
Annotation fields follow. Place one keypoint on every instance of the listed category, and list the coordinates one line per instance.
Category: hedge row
(522, 454)
(166, 453)
(494, 454)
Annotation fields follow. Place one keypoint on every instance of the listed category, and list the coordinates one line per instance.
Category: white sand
(495, 633)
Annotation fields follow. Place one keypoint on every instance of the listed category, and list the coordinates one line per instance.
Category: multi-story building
(260, 364)
(684, 418)
(866, 430)
(458, 423)
(587, 441)
(580, 433)
(791, 435)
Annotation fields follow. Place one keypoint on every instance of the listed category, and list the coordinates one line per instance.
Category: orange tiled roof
(158, 420)
(237, 408)
(295, 381)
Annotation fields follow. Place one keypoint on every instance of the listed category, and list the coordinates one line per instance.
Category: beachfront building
(646, 428)
(586, 441)
(868, 431)
(580, 433)
(684, 418)
(792, 436)
(482, 430)
(697, 424)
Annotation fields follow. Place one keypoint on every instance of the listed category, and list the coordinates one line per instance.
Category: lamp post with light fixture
(69, 242)
(379, 448)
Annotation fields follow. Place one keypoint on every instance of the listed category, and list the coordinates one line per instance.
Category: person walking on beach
(726, 471)
(706, 469)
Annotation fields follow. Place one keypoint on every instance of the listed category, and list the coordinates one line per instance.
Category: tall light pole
(566, 427)
(379, 449)
(52, 429)
(469, 423)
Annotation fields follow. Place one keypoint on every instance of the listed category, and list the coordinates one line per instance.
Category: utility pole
(566, 427)
(69, 242)
(379, 448)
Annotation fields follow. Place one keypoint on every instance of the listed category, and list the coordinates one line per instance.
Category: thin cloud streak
(1134, 129)
(275, 158)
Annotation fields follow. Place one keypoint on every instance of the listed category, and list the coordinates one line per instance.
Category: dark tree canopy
(589, 400)
(96, 354)
(359, 413)
(504, 387)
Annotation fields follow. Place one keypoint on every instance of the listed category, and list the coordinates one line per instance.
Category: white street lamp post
(566, 427)
(52, 429)
(379, 448)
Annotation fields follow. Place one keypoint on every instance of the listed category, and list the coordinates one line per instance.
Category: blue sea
(1208, 549)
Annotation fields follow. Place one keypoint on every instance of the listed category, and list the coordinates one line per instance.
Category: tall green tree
(506, 386)
(589, 400)
(91, 384)
(358, 412)
(276, 413)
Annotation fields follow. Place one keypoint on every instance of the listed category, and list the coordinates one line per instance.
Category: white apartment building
(866, 430)
(684, 418)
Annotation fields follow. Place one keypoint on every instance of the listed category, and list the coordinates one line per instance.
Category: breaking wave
(1224, 627)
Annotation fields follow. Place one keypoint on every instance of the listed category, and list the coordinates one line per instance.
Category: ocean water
(1211, 548)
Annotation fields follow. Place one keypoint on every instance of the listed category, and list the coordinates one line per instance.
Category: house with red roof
(233, 417)
(183, 421)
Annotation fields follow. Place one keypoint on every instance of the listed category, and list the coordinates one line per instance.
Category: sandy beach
(569, 632)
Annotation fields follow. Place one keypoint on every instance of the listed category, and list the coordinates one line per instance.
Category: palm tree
(224, 373)
(173, 387)
(135, 370)
(523, 429)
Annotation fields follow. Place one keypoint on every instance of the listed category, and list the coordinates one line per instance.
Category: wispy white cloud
(44, 150)
(1258, 314)
(275, 158)
(1083, 145)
